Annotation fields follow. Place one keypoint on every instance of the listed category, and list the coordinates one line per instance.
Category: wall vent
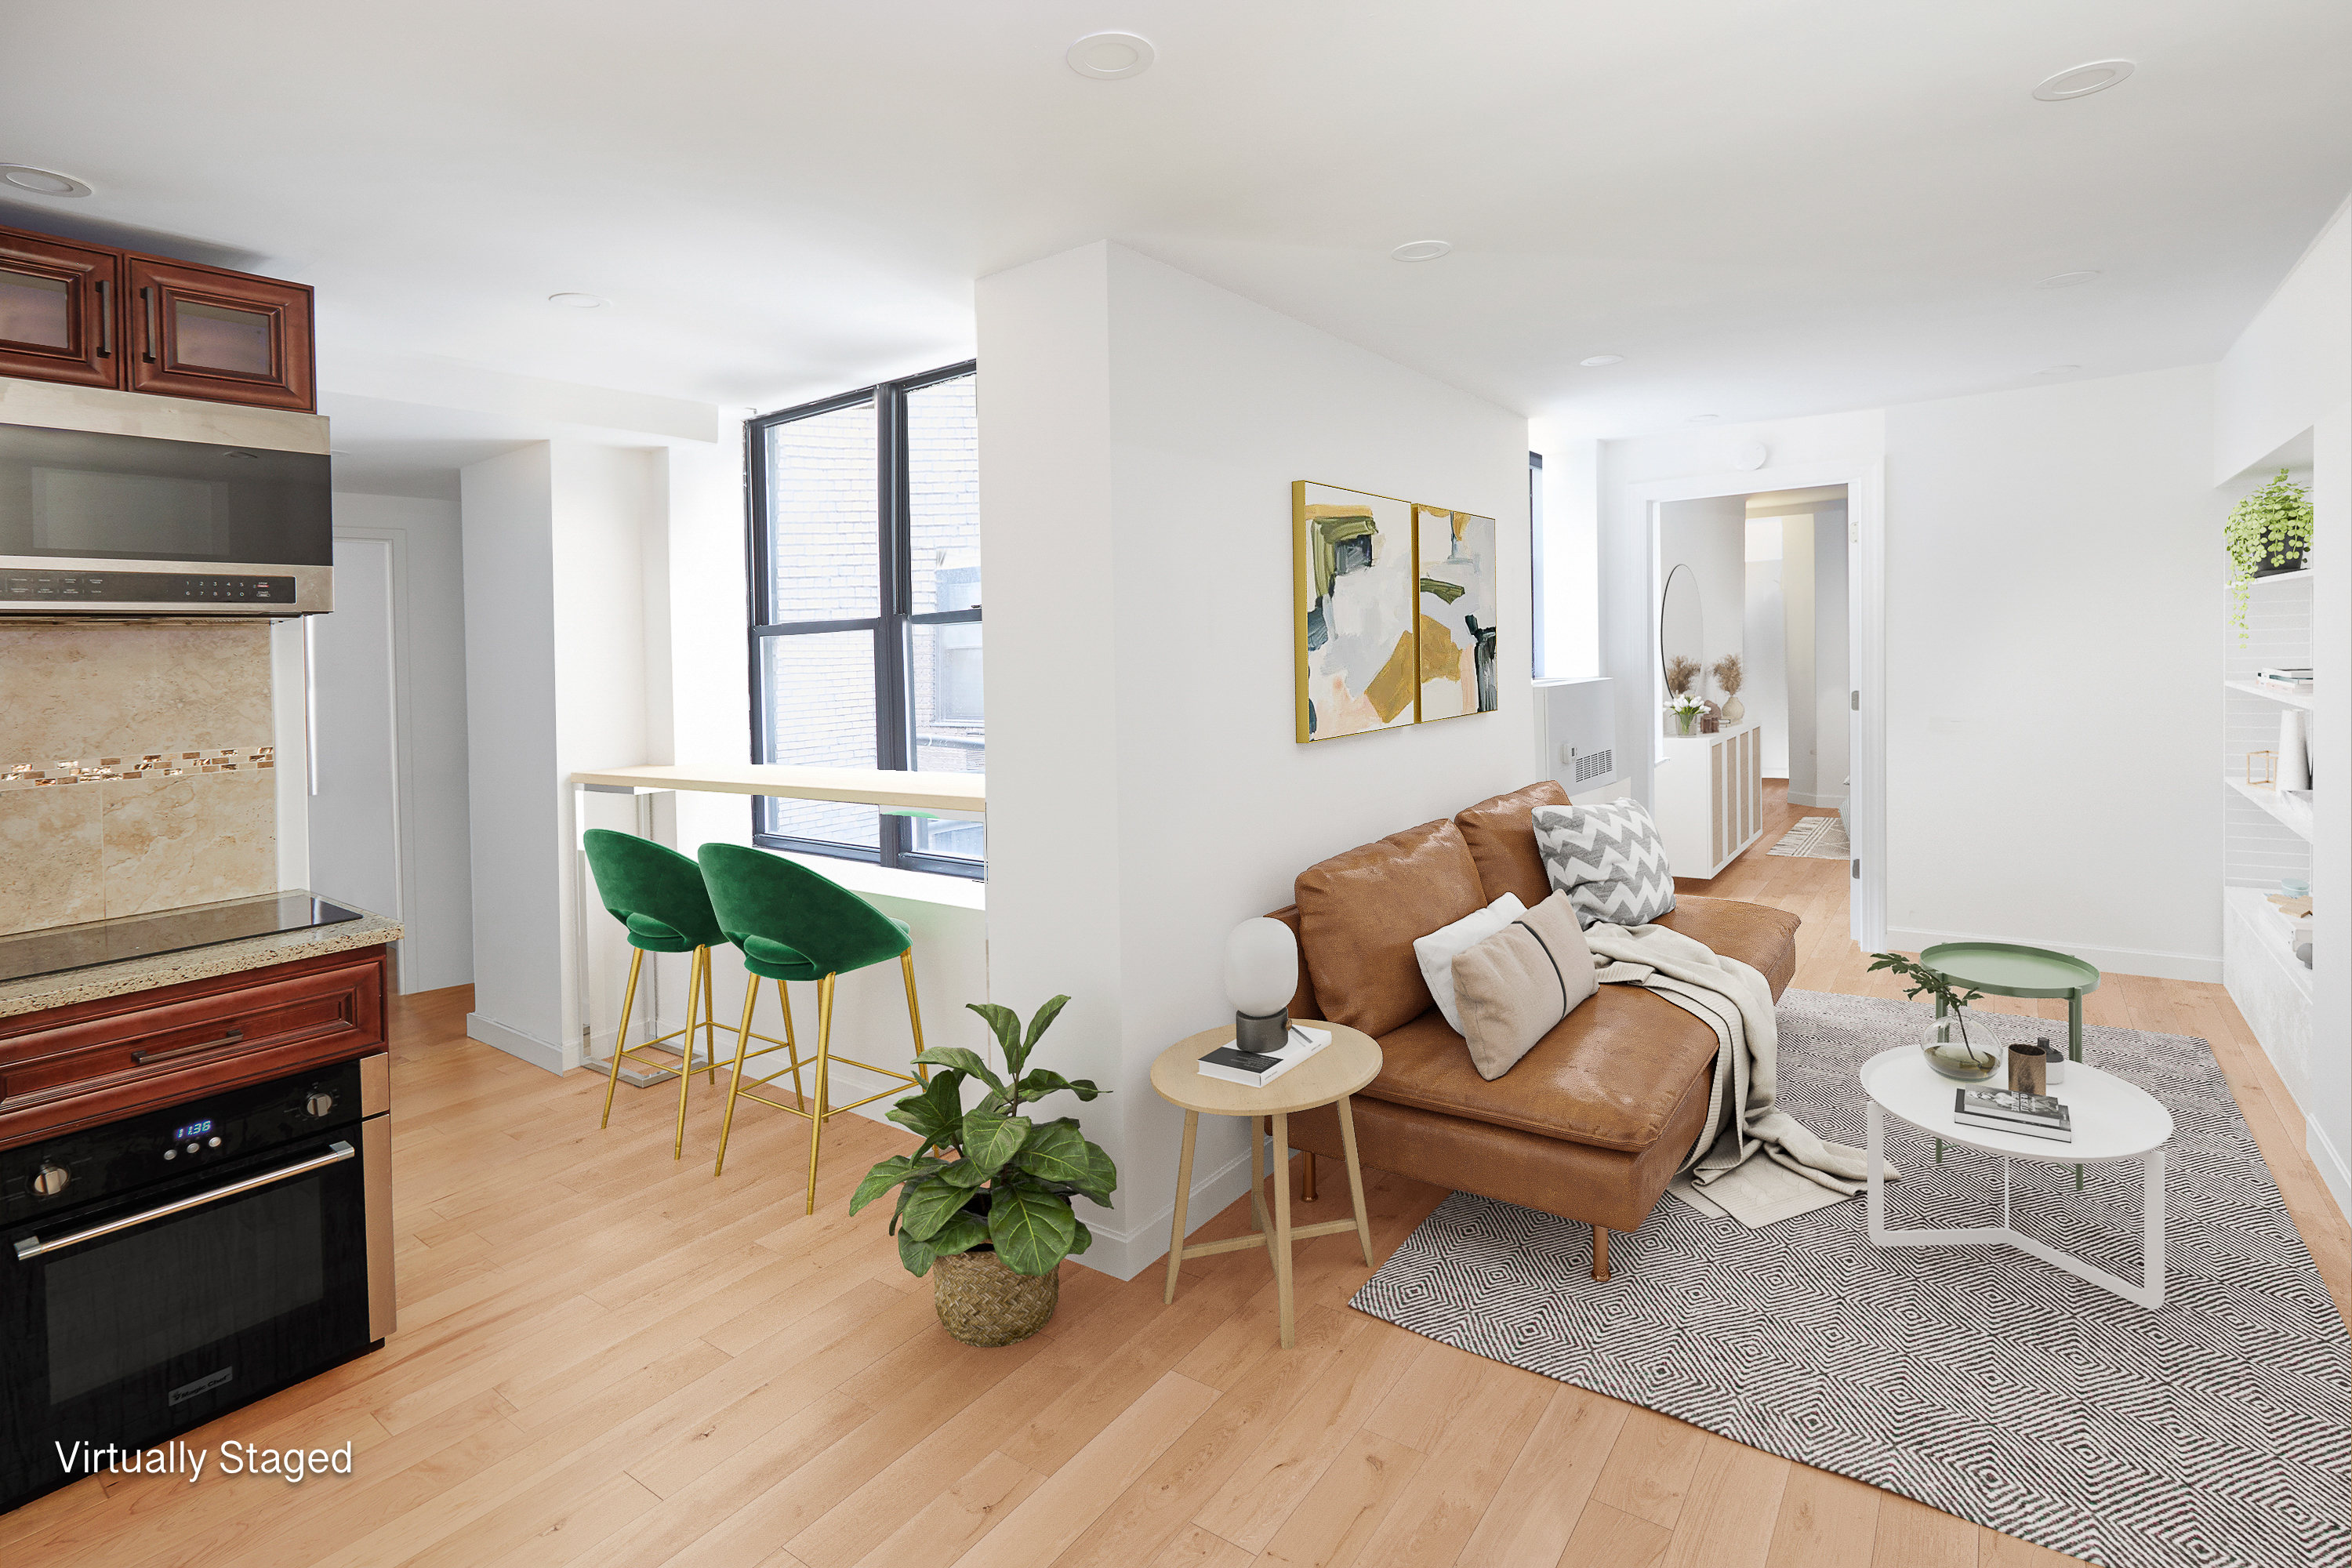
(1596, 764)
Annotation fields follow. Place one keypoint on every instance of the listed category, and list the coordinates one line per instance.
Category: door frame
(1865, 482)
(395, 540)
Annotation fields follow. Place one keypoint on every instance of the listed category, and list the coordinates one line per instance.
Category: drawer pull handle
(32, 1246)
(143, 1058)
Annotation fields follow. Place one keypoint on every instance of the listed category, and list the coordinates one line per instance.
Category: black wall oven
(159, 1270)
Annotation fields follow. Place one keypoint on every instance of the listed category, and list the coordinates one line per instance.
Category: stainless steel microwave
(101, 523)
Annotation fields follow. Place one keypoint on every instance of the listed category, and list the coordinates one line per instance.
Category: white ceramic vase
(1734, 709)
(2294, 760)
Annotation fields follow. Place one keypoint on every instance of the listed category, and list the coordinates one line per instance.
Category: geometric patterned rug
(1975, 1379)
(1815, 839)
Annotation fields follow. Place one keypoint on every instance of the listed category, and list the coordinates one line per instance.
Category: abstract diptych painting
(1396, 612)
(1456, 564)
(1356, 649)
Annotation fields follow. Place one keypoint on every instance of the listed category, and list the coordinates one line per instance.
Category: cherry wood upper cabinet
(59, 311)
(202, 331)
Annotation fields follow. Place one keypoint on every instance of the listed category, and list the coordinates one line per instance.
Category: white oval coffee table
(2113, 1120)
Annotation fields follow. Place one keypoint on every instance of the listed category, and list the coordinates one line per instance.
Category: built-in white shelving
(2276, 694)
(2292, 815)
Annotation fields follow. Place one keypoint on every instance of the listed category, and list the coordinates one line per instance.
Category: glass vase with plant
(1959, 1058)
(2268, 533)
(990, 1178)
(1686, 707)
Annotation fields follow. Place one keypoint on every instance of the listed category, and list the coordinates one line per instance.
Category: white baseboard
(2106, 959)
(1125, 1254)
(1817, 802)
(2332, 1169)
(539, 1053)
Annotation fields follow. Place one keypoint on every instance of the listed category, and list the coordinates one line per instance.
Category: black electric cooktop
(166, 931)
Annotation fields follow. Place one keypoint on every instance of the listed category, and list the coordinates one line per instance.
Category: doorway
(1812, 550)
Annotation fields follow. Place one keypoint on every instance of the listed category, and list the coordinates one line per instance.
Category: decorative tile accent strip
(169, 764)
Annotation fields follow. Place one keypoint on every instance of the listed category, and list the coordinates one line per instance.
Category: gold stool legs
(696, 980)
(914, 1012)
(823, 1058)
(735, 1084)
(621, 1038)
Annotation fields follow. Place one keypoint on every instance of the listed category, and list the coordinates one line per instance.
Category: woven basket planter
(982, 1302)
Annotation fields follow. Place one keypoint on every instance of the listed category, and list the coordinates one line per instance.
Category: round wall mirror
(1682, 625)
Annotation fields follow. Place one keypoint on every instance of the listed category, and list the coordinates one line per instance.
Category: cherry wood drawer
(99, 1060)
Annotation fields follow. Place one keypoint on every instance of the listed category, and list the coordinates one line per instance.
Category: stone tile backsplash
(136, 770)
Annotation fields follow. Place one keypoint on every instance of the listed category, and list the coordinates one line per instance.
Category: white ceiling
(1769, 209)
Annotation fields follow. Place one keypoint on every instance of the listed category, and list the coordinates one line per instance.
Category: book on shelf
(2012, 1110)
(1256, 1070)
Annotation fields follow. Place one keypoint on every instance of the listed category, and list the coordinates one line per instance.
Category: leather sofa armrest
(1303, 1004)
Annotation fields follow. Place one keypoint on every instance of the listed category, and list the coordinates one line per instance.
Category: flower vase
(1734, 709)
(1957, 1056)
(1685, 722)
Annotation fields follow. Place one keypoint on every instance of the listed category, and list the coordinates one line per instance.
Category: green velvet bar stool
(790, 923)
(657, 894)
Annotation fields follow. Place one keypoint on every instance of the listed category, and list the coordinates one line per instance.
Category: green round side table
(2006, 969)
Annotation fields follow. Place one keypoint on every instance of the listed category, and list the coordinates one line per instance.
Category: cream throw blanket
(1800, 1172)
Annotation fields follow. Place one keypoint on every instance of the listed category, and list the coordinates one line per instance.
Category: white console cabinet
(1708, 797)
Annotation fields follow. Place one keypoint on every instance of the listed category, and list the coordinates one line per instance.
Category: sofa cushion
(1358, 913)
(1610, 1074)
(1757, 934)
(1501, 837)
(1608, 858)
(1518, 984)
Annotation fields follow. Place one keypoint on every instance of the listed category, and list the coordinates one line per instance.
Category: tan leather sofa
(1593, 1121)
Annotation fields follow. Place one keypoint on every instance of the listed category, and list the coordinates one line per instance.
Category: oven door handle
(32, 1246)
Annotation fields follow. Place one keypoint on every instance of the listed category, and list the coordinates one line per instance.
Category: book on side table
(2011, 1111)
(1258, 1070)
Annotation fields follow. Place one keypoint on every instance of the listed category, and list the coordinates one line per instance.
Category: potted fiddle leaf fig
(984, 1201)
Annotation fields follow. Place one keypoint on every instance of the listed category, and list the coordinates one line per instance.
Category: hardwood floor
(605, 1358)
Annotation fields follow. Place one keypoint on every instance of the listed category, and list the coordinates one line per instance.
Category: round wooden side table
(1351, 1061)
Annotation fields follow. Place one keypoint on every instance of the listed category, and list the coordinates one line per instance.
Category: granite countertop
(36, 992)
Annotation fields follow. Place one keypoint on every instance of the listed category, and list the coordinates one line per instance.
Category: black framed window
(865, 570)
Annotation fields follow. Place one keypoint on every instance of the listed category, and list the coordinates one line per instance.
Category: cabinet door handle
(147, 305)
(105, 322)
(143, 1058)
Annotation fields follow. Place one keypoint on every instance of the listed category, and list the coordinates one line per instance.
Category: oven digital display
(192, 1130)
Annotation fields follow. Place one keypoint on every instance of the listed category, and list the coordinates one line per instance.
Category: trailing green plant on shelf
(2268, 531)
(1007, 1180)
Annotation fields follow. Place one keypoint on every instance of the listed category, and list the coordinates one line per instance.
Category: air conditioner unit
(1580, 720)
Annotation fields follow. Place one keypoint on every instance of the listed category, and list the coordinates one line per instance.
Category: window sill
(889, 882)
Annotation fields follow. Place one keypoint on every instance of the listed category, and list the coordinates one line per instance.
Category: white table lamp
(1261, 974)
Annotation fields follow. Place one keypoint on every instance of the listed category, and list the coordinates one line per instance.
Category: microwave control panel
(142, 588)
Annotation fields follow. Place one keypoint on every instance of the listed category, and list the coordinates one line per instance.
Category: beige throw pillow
(1513, 987)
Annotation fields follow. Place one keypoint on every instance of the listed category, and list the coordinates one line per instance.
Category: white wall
(2288, 367)
(430, 678)
(2052, 714)
(1710, 537)
(1813, 592)
(1139, 433)
(1767, 690)
(1571, 559)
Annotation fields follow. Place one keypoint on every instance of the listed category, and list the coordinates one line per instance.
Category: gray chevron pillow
(1608, 859)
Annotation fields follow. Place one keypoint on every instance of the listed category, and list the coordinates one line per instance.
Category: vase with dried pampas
(1731, 676)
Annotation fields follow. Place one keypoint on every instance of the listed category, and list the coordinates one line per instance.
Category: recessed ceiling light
(1702, 418)
(2081, 81)
(42, 182)
(1420, 250)
(2065, 279)
(578, 301)
(1597, 361)
(1111, 57)
(2058, 370)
